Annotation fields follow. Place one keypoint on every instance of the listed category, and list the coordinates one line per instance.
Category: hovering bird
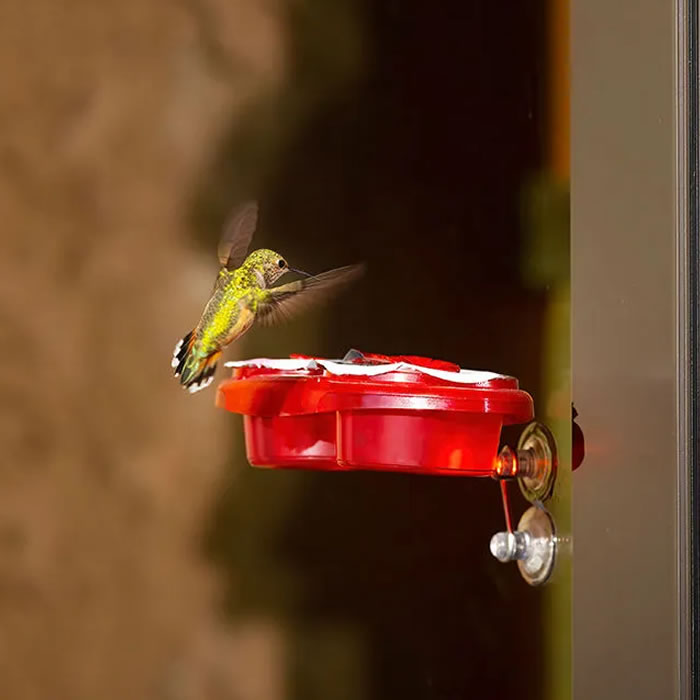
(243, 295)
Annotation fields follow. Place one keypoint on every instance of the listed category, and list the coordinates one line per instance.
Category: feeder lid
(366, 381)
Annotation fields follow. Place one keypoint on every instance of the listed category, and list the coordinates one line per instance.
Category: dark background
(418, 166)
(140, 555)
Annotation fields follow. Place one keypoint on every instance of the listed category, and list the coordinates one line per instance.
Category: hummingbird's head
(268, 264)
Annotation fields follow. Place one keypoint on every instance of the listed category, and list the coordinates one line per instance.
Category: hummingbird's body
(231, 310)
(243, 295)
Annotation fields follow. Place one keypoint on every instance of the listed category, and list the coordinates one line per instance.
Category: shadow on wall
(403, 135)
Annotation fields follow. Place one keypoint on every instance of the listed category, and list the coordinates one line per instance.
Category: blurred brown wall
(107, 113)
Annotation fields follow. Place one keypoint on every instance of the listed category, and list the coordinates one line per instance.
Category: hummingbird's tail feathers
(199, 374)
(182, 350)
(195, 372)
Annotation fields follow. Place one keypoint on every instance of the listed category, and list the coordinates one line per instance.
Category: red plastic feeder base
(404, 414)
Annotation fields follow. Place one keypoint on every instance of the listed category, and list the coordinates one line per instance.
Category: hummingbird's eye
(282, 263)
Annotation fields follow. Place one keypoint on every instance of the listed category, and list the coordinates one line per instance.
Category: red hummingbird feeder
(374, 412)
(401, 414)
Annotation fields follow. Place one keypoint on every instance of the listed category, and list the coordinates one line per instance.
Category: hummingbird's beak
(299, 272)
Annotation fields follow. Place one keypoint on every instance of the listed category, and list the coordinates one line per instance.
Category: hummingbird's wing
(237, 235)
(286, 301)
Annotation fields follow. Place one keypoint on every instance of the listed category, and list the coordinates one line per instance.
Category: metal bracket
(537, 482)
(532, 545)
(534, 465)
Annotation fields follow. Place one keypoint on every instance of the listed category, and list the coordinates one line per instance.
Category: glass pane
(431, 142)
(140, 555)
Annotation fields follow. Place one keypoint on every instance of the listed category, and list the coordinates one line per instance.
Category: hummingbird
(243, 294)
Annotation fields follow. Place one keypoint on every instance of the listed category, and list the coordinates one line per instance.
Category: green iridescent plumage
(243, 293)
